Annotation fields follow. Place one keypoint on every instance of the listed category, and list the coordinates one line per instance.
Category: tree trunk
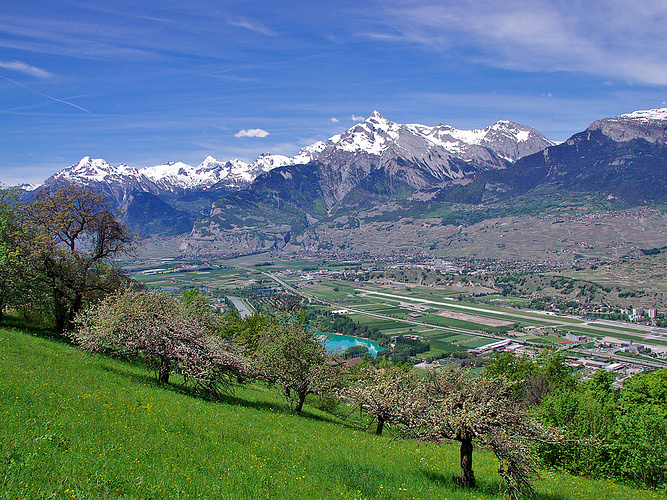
(467, 474)
(165, 370)
(59, 310)
(378, 429)
(299, 404)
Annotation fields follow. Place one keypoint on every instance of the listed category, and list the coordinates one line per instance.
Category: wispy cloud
(251, 132)
(44, 95)
(253, 26)
(68, 37)
(25, 68)
(617, 38)
(334, 120)
(356, 118)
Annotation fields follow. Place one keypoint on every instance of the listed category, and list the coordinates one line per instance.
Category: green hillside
(79, 426)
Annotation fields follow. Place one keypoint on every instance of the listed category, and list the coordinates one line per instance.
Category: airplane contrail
(44, 95)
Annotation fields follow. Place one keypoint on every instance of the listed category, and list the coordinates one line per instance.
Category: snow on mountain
(96, 170)
(176, 175)
(309, 153)
(647, 114)
(375, 137)
(376, 134)
(649, 124)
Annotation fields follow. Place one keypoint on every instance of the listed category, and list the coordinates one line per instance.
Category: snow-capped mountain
(116, 182)
(376, 135)
(620, 158)
(650, 124)
(366, 185)
(174, 177)
(420, 155)
(490, 147)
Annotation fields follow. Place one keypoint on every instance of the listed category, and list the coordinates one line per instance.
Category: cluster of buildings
(622, 370)
(638, 315)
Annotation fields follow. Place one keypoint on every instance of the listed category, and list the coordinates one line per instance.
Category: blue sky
(146, 82)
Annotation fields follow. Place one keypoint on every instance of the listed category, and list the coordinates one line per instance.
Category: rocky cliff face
(622, 158)
(650, 125)
(374, 168)
(382, 176)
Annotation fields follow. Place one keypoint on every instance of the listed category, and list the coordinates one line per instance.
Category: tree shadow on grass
(487, 487)
(145, 378)
(145, 375)
(12, 321)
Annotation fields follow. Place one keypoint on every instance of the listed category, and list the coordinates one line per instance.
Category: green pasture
(76, 426)
(384, 325)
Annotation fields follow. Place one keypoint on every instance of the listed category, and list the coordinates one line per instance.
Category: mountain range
(379, 170)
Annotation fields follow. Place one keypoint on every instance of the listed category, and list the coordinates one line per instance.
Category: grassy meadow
(77, 426)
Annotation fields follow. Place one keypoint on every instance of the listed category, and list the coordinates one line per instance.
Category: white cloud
(334, 120)
(617, 38)
(251, 132)
(356, 118)
(25, 68)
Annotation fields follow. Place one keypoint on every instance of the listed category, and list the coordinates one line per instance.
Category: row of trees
(213, 352)
(210, 350)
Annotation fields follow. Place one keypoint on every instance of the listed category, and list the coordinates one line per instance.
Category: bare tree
(453, 405)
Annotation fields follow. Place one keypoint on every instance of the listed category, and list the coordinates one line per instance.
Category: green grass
(87, 427)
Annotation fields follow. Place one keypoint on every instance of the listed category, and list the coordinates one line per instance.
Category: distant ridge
(379, 171)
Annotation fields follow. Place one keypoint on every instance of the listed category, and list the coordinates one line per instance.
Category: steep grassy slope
(74, 426)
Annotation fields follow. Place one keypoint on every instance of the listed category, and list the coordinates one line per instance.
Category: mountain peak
(648, 124)
(647, 115)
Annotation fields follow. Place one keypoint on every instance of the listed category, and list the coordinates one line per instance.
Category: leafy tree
(453, 405)
(355, 351)
(155, 326)
(618, 433)
(534, 378)
(383, 393)
(198, 308)
(11, 262)
(288, 354)
(71, 235)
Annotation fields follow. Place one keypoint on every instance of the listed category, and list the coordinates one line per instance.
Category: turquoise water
(340, 343)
